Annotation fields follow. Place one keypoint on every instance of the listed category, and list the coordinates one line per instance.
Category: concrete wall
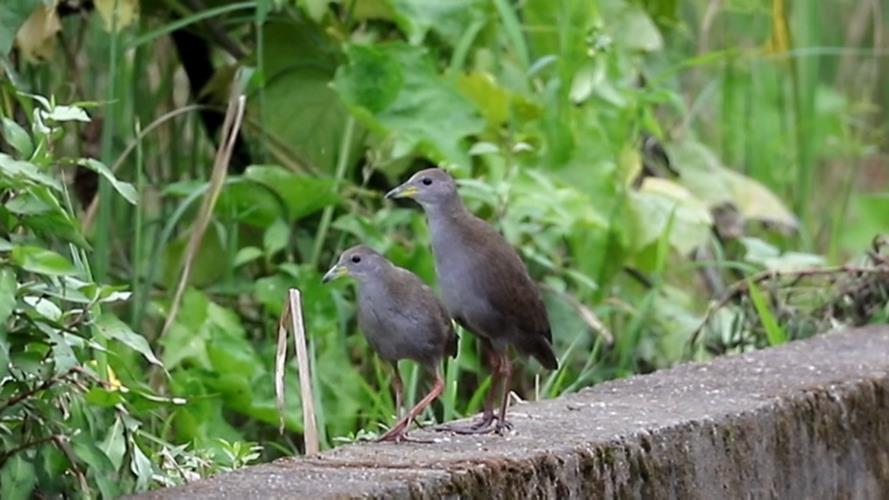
(805, 420)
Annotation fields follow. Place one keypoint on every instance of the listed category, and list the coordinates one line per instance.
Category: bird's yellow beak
(337, 271)
(402, 191)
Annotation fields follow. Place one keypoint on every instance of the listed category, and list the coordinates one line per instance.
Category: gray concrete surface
(805, 420)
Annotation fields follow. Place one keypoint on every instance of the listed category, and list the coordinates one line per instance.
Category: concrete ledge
(805, 420)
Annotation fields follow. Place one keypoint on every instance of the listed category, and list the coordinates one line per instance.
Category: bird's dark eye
(426, 181)
(356, 259)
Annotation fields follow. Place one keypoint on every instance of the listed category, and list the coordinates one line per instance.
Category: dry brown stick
(280, 363)
(230, 128)
(310, 427)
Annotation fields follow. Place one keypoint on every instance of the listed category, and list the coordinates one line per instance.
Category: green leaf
(774, 333)
(12, 16)
(634, 29)
(124, 188)
(141, 467)
(42, 261)
(247, 254)
(276, 237)
(448, 18)
(396, 90)
(104, 398)
(26, 172)
(68, 114)
(109, 326)
(7, 294)
(17, 137)
(62, 354)
(114, 445)
(17, 479)
(303, 195)
(100, 468)
(299, 63)
(315, 9)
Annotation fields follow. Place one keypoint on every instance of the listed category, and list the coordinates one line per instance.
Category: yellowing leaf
(656, 203)
(126, 12)
(705, 176)
(36, 38)
(779, 42)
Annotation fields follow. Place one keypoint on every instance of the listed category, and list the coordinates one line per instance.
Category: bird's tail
(542, 350)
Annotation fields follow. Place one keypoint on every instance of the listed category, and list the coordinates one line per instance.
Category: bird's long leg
(506, 376)
(398, 432)
(398, 387)
(483, 424)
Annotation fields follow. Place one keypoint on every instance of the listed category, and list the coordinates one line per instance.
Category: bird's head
(430, 188)
(359, 262)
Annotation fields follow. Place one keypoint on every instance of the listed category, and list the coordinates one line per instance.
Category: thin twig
(280, 363)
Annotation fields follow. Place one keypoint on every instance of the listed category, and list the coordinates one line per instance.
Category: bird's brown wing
(430, 314)
(505, 282)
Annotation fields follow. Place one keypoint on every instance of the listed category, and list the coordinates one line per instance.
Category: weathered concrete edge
(826, 435)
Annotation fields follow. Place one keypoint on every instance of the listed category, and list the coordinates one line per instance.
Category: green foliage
(681, 182)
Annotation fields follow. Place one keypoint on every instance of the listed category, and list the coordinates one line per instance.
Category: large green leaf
(110, 327)
(17, 478)
(298, 107)
(25, 173)
(125, 189)
(18, 138)
(447, 18)
(303, 195)
(42, 261)
(396, 90)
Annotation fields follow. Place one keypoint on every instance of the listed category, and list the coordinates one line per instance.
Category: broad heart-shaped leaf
(110, 327)
(303, 195)
(24, 173)
(13, 14)
(657, 201)
(42, 261)
(124, 188)
(447, 18)
(17, 478)
(17, 137)
(396, 90)
(705, 176)
(298, 107)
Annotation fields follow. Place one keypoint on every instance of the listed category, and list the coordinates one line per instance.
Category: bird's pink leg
(398, 432)
(484, 423)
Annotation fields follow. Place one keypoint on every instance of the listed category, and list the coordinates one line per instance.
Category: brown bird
(402, 319)
(484, 284)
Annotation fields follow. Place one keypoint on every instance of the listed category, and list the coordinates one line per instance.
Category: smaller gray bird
(402, 319)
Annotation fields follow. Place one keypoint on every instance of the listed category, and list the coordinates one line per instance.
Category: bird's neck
(446, 213)
(446, 222)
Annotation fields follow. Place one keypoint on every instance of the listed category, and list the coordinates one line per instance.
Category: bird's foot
(398, 434)
(483, 425)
